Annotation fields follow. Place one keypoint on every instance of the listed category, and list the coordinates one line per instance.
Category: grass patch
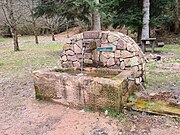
(155, 80)
(170, 48)
(177, 83)
(31, 57)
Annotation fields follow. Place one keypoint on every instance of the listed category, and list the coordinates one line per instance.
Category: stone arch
(123, 52)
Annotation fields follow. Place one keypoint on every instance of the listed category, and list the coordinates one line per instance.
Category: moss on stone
(38, 95)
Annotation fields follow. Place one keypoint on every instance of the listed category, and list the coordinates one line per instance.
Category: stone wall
(125, 53)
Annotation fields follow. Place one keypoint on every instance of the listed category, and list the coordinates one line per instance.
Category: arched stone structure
(104, 49)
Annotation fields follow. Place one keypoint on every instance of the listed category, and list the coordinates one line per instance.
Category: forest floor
(21, 114)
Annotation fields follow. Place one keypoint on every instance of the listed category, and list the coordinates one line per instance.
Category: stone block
(115, 43)
(122, 65)
(117, 54)
(126, 54)
(108, 54)
(134, 61)
(117, 61)
(78, 37)
(140, 67)
(77, 49)
(91, 35)
(103, 59)
(127, 62)
(64, 58)
(70, 52)
(72, 58)
(79, 43)
(130, 47)
(121, 45)
(110, 62)
(137, 80)
(76, 64)
(81, 91)
(98, 43)
(104, 37)
(88, 61)
(79, 56)
(67, 47)
(95, 55)
(88, 55)
(111, 38)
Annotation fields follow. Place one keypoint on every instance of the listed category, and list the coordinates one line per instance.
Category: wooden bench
(152, 42)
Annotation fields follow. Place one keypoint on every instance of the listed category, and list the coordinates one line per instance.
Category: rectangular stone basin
(97, 88)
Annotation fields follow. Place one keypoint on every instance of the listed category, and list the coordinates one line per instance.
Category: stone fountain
(99, 70)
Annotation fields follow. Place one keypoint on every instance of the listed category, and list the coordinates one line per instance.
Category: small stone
(104, 37)
(88, 61)
(137, 80)
(110, 62)
(79, 36)
(127, 62)
(103, 59)
(126, 54)
(122, 65)
(64, 58)
(77, 49)
(121, 45)
(112, 38)
(140, 67)
(67, 47)
(117, 54)
(135, 68)
(143, 66)
(95, 55)
(98, 43)
(79, 56)
(69, 52)
(140, 79)
(140, 60)
(79, 43)
(72, 58)
(134, 61)
(117, 61)
(138, 74)
(76, 64)
(108, 54)
(87, 55)
(115, 43)
(91, 35)
(130, 47)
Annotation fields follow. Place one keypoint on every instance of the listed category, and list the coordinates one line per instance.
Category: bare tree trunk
(177, 17)
(146, 18)
(96, 24)
(15, 38)
(52, 34)
(35, 30)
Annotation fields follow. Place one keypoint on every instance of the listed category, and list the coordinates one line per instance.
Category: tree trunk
(52, 34)
(139, 34)
(146, 18)
(35, 33)
(177, 17)
(96, 24)
(15, 38)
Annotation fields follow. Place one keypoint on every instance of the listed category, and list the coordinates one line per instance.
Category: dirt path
(21, 114)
